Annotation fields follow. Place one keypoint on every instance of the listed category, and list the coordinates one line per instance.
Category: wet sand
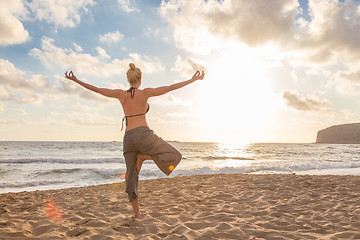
(234, 206)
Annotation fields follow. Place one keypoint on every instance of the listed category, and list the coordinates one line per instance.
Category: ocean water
(27, 166)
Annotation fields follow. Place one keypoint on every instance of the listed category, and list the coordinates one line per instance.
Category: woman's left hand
(198, 76)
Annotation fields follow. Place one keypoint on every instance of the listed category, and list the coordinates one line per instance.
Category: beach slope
(236, 206)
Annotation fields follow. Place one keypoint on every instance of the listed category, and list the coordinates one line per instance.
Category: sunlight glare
(237, 92)
(231, 163)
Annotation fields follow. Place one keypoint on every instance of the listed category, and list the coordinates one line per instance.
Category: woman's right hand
(70, 76)
(198, 76)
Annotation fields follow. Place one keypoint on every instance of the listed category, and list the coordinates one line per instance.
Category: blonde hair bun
(132, 66)
(133, 74)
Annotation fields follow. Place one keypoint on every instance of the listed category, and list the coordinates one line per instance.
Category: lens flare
(52, 209)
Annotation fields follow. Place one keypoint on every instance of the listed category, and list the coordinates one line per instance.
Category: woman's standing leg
(132, 179)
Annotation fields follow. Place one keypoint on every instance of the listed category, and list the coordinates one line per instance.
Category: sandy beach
(236, 206)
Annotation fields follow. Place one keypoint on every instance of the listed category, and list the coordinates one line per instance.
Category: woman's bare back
(136, 105)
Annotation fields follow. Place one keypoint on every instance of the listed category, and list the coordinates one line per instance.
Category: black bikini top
(125, 118)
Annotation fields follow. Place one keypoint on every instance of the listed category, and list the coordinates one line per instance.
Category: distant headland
(342, 134)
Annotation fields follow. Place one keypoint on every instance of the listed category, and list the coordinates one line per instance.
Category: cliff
(345, 134)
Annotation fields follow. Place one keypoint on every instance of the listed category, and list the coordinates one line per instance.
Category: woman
(140, 143)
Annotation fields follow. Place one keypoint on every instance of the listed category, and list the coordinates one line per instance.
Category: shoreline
(326, 172)
(220, 206)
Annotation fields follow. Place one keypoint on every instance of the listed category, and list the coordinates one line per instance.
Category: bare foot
(135, 204)
(140, 158)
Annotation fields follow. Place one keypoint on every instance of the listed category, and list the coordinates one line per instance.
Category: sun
(236, 93)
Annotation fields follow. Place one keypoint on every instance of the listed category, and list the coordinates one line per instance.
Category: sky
(276, 71)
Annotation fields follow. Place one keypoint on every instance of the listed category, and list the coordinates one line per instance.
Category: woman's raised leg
(140, 158)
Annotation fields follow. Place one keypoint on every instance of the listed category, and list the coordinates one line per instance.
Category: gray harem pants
(143, 140)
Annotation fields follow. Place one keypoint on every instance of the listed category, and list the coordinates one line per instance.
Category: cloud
(176, 118)
(21, 97)
(2, 107)
(156, 120)
(25, 88)
(347, 82)
(78, 48)
(146, 64)
(17, 122)
(181, 115)
(326, 37)
(251, 22)
(102, 53)
(347, 89)
(15, 78)
(332, 34)
(195, 23)
(91, 119)
(63, 13)
(152, 32)
(111, 37)
(100, 121)
(20, 111)
(83, 63)
(125, 6)
(170, 100)
(300, 103)
(307, 122)
(118, 85)
(4, 94)
(70, 88)
(187, 66)
(350, 76)
(19, 86)
(349, 115)
(12, 30)
(329, 35)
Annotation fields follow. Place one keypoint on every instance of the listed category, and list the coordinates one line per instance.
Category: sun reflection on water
(231, 163)
(233, 155)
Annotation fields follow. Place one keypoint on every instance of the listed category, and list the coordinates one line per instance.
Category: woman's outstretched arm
(113, 93)
(152, 92)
